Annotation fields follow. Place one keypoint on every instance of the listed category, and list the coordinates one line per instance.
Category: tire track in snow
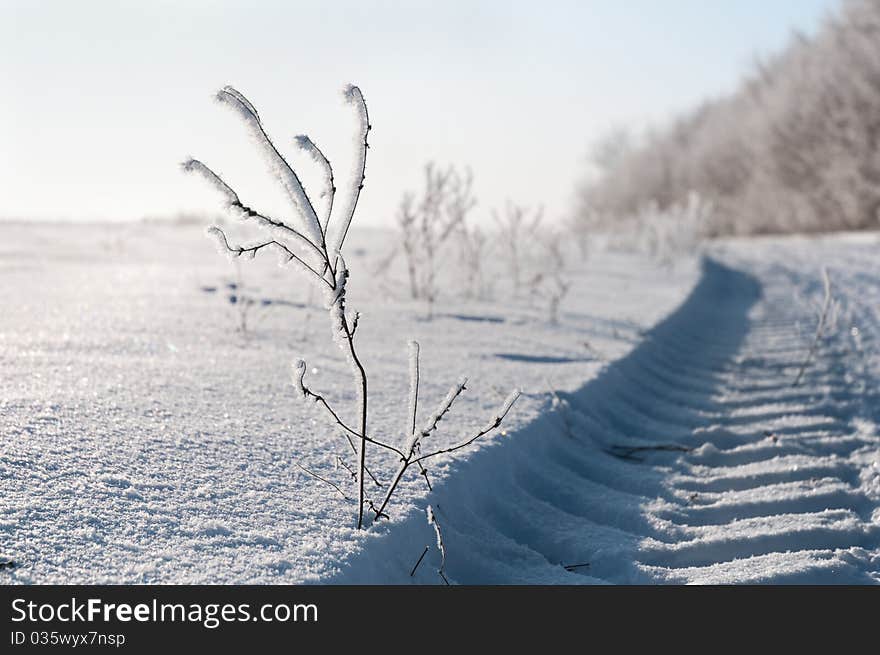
(773, 488)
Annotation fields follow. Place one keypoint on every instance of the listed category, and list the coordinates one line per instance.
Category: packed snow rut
(692, 459)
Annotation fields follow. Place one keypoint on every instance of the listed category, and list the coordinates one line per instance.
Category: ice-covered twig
(273, 225)
(366, 469)
(309, 146)
(245, 212)
(355, 97)
(443, 408)
(196, 166)
(412, 439)
(298, 372)
(413, 347)
(338, 310)
(491, 425)
(237, 251)
(277, 163)
(432, 520)
(329, 268)
(322, 259)
(411, 457)
(304, 392)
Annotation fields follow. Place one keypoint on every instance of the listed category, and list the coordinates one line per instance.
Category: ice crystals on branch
(314, 244)
(298, 372)
(432, 521)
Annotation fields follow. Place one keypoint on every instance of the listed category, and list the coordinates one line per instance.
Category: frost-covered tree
(311, 241)
(518, 229)
(555, 281)
(795, 148)
(427, 221)
(474, 249)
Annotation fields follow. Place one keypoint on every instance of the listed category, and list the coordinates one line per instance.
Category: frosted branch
(369, 473)
(324, 480)
(432, 521)
(298, 374)
(444, 407)
(234, 202)
(413, 387)
(198, 167)
(491, 425)
(252, 250)
(310, 148)
(412, 442)
(354, 97)
(408, 459)
(277, 163)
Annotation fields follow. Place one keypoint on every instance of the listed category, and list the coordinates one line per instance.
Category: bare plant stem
(323, 262)
(573, 567)
(366, 468)
(441, 545)
(467, 442)
(362, 451)
(320, 399)
(326, 481)
(408, 460)
(413, 572)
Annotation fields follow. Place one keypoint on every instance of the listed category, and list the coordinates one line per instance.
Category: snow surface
(144, 440)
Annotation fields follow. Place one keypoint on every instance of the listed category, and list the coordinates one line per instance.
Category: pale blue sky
(101, 100)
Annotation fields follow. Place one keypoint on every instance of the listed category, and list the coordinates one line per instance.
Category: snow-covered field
(144, 440)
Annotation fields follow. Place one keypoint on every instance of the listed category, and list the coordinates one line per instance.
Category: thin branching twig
(421, 557)
(411, 452)
(432, 520)
(321, 258)
(325, 480)
(369, 473)
(314, 244)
